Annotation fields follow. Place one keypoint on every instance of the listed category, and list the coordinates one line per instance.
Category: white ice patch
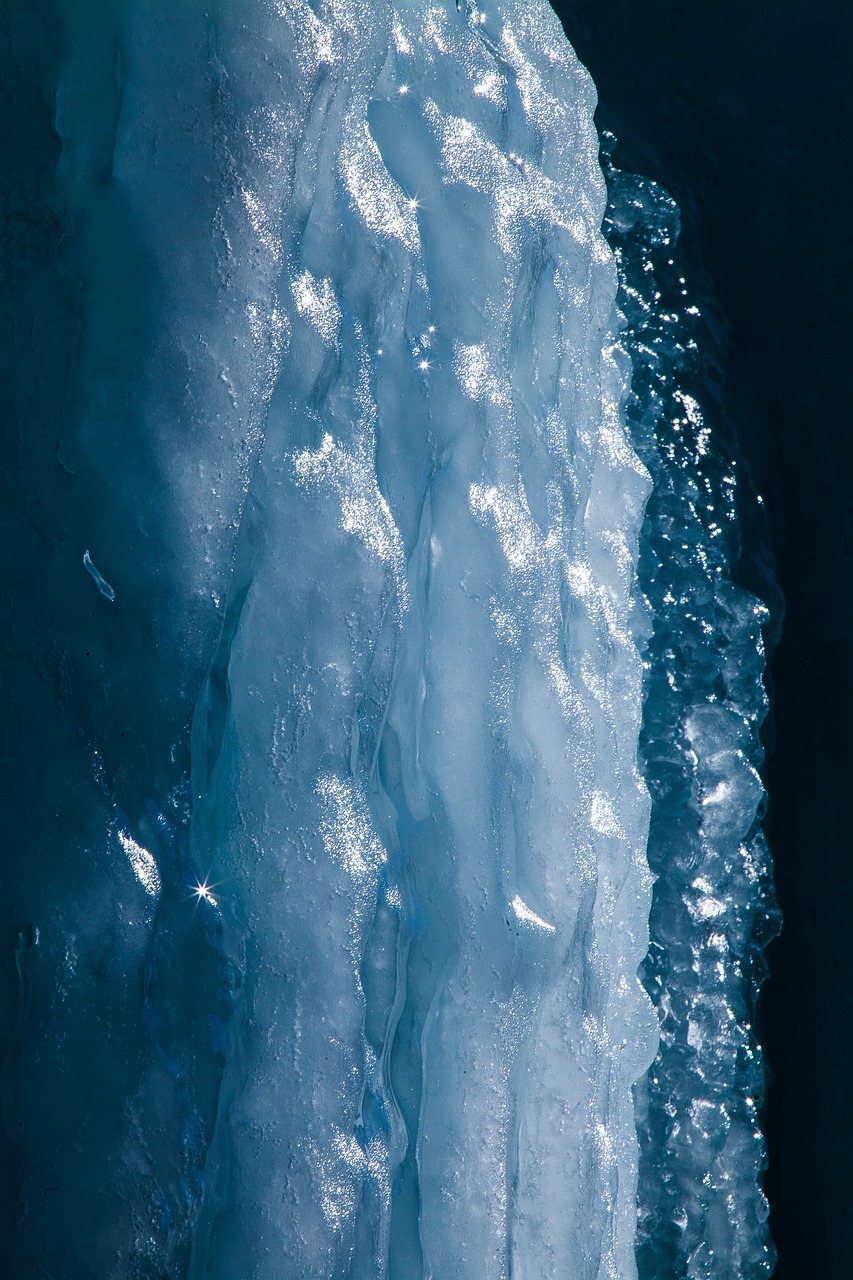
(526, 916)
(479, 381)
(144, 866)
(521, 194)
(603, 818)
(378, 199)
(492, 86)
(316, 301)
(401, 41)
(318, 42)
(364, 512)
(517, 532)
(263, 224)
(347, 829)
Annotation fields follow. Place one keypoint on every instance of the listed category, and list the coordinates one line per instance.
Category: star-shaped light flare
(202, 891)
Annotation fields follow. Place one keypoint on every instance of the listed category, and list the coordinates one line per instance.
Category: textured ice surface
(701, 1209)
(311, 356)
(415, 763)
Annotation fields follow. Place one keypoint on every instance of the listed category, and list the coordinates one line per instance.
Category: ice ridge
(416, 766)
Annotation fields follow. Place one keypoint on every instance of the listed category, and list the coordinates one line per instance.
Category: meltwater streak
(702, 1212)
(415, 762)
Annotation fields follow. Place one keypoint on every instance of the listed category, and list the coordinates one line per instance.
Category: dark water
(744, 113)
